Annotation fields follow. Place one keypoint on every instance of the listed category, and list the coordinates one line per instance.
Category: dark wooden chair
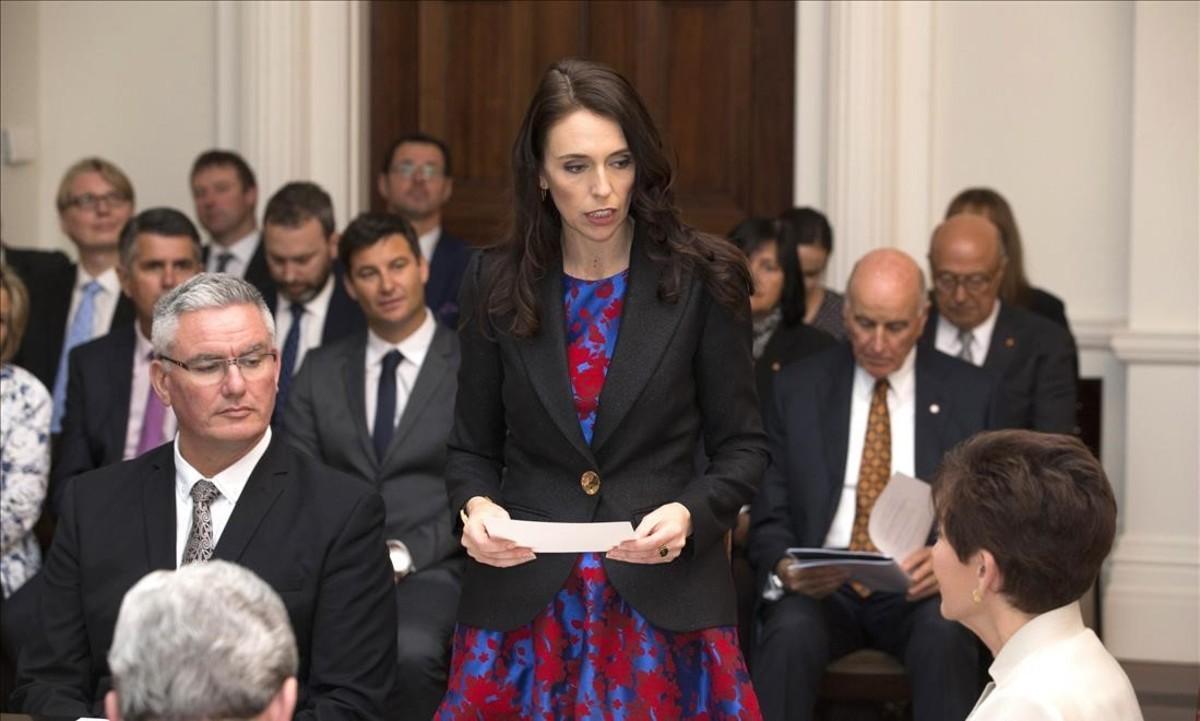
(866, 685)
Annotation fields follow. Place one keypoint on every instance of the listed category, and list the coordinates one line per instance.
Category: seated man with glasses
(415, 182)
(1033, 358)
(225, 489)
(78, 302)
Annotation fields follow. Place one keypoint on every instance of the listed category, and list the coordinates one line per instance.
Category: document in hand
(899, 524)
(544, 537)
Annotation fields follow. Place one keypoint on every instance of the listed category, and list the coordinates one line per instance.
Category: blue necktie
(385, 404)
(291, 348)
(80, 331)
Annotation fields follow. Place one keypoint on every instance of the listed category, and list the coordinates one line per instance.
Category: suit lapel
(835, 406)
(545, 357)
(932, 408)
(1003, 344)
(647, 326)
(120, 375)
(158, 499)
(433, 371)
(354, 379)
(265, 484)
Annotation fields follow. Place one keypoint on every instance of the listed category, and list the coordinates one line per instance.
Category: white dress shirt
(139, 394)
(105, 301)
(981, 336)
(230, 482)
(902, 404)
(428, 243)
(413, 348)
(243, 250)
(1055, 669)
(312, 322)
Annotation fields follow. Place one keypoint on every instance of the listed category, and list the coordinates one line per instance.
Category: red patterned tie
(873, 472)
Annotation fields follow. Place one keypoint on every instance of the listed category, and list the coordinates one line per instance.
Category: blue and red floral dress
(589, 654)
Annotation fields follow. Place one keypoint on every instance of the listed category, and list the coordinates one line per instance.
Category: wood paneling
(717, 77)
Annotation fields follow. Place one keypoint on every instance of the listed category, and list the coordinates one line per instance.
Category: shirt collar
(142, 346)
(319, 303)
(108, 280)
(902, 381)
(231, 481)
(1041, 631)
(428, 241)
(983, 331)
(243, 248)
(413, 348)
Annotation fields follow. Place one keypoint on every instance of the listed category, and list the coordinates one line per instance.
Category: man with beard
(310, 304)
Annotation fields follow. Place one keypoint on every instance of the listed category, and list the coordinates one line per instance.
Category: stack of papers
(545, 537)
(899, 525)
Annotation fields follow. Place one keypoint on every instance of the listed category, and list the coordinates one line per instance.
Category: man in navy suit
(224, 489)
(109, 398)
(1034, 358)
(840, 423)
(416, 182)
(226, 194)
(310, 305)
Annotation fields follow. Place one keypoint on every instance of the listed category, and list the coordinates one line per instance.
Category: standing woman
(598, 345)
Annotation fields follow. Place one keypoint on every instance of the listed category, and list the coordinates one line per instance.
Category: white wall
(129, 81)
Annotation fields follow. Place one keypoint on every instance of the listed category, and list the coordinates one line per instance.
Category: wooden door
(717, 76)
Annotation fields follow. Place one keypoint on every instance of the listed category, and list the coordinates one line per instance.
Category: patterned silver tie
(966, 352)
(200, 539)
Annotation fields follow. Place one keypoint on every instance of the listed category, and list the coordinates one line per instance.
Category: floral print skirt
(589, 655)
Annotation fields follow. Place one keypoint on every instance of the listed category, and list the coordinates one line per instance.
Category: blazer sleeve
(475, 452)
(54, 675)
(300, 412)
(771, 532)
(731, 424)
(1055, 385)
(353, 660)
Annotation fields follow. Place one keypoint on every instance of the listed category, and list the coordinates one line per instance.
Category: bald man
(840, 424)
(1034, 359)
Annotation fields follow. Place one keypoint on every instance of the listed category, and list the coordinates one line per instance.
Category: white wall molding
(1157, 348)
(1096, 334)
(291, 91)
(1151, 599)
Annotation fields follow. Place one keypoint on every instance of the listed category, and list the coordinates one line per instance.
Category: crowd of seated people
(281, 397)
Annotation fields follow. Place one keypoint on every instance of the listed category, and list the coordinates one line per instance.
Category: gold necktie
(876, 467)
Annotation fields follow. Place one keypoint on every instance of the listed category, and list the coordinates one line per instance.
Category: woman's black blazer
(680, 372)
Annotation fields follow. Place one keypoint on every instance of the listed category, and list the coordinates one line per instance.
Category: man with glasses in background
(416, 183)
(224, 489)
(1033, 358)
(83, 300)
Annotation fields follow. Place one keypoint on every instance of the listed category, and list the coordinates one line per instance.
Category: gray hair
(208, 641)
(203, 292)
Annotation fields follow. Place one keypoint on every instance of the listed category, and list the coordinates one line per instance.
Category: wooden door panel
(716, 76)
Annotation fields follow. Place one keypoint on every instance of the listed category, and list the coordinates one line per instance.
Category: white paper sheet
(902, 517)
(544, 537)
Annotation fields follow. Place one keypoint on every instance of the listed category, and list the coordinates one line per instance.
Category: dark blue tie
(385, 404)
(291, 348)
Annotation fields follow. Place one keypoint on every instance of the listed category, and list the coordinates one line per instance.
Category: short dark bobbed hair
(1039, 502)
(753, 233)
(370, 228)
(806, 226)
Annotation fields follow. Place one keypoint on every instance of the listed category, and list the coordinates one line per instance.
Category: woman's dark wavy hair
(533, 243)
(751, 234)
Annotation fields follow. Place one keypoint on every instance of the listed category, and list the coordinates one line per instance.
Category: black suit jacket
(446, 268)
(99, 385)
(50, 290)
(257, 273)
(680, 371)
(786, 345)
(808, 425)
(344, 317)
(1035, 362)
(313, 534)
(326, 418)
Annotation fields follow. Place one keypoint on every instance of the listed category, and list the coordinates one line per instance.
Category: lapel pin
(1009, 342)
(934, 408)
(775, 366)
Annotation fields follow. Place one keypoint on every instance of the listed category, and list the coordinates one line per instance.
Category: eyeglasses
(426, 171)
(88, 201)
(973, 283)
(252, 366)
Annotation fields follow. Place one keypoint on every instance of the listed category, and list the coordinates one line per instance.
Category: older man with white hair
(209, 641)
(224, 489)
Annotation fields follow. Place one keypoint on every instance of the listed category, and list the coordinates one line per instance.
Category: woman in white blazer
(1026, 519)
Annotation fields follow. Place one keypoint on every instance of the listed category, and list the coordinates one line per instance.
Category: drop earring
(543, 192)
(976, 596)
